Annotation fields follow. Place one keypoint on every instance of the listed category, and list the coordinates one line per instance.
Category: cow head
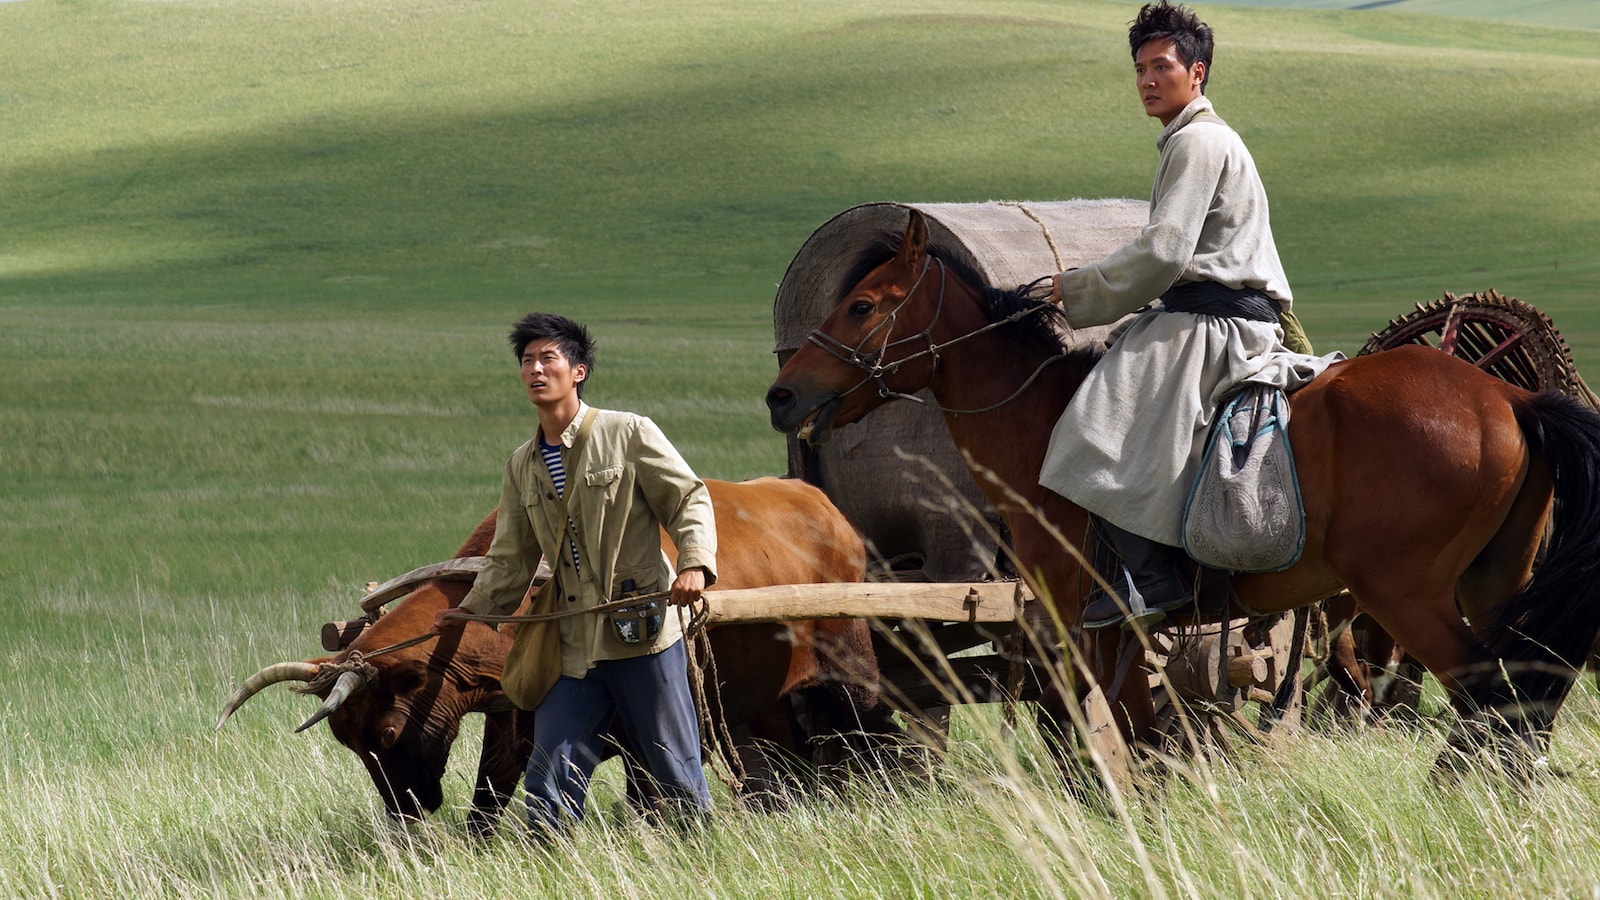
(404, 722)
(400, 712)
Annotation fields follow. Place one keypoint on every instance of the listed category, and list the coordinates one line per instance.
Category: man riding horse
(1429, 488)
(1129, 445)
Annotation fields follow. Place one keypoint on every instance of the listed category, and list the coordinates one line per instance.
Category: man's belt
(1208, 298)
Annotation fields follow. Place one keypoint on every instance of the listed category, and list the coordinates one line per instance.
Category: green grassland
(258, 263)
(1552, 13)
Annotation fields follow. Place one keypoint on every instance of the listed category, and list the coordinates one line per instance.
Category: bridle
(872, 362)
(876, 372)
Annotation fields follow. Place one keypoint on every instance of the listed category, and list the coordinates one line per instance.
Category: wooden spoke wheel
(1501, 335)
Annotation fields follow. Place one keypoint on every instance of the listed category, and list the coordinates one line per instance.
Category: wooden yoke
(340, 634)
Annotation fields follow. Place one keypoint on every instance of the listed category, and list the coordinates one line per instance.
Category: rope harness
(329, 673)
(714, 731)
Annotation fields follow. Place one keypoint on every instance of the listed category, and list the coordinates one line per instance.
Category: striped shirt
(558, 477)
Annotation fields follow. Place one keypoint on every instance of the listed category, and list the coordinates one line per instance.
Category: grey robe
(1128, 446)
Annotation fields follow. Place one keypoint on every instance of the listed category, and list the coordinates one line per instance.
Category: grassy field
(1551, 13)
(259, 261)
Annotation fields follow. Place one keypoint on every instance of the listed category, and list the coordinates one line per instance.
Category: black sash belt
(1207, 298)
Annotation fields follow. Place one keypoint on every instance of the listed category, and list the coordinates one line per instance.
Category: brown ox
(780, 686)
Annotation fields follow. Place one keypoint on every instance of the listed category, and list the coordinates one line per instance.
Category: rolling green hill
(1552, 13)
(292, 152)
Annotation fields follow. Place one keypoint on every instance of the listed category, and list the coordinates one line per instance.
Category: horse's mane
(1041, 330)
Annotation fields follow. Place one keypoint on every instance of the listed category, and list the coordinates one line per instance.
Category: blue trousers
(650, 695)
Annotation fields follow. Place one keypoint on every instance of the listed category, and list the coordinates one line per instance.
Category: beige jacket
(623, 487)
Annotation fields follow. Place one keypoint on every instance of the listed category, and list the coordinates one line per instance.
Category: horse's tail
(1545, 633)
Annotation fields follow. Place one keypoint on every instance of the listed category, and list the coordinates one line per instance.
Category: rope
(524, 618)
(329, 673)
(400, 646)
(714, 734)
(1048, 237)
(516, 620)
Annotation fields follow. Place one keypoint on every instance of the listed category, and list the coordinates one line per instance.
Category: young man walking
(1129, 445)
(590, 493)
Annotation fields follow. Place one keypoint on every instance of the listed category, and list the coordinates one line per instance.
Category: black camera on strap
(640, 623)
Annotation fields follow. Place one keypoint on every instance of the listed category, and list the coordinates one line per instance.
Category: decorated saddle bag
(1244, 513)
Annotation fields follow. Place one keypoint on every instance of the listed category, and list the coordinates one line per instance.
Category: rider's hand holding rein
(1055, 286)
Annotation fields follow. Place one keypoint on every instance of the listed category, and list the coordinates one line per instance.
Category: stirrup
(1106, 609)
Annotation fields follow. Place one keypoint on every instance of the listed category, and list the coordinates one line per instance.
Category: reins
(714, 732)
(876, 372)
(524, 618)
(521, 619)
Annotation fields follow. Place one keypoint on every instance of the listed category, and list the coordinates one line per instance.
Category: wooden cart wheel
(1216, 672)
(1501, 335)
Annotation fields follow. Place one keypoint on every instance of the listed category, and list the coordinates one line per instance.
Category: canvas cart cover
(909, 517)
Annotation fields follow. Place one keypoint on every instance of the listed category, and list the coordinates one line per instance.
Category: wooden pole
(941, 601)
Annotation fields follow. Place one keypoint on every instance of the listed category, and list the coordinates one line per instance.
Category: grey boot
(1145, 586)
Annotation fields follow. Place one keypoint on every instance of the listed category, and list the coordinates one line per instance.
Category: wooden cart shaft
(939, 602)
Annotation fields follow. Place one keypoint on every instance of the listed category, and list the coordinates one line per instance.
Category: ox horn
(348, 683)
(284, 671)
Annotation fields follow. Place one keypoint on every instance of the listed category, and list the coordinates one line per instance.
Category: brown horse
(1426, 483)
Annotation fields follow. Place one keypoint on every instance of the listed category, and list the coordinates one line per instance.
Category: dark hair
(571, 338)
(1190, 37)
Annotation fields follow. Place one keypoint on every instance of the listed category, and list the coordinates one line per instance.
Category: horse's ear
(915, 242)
